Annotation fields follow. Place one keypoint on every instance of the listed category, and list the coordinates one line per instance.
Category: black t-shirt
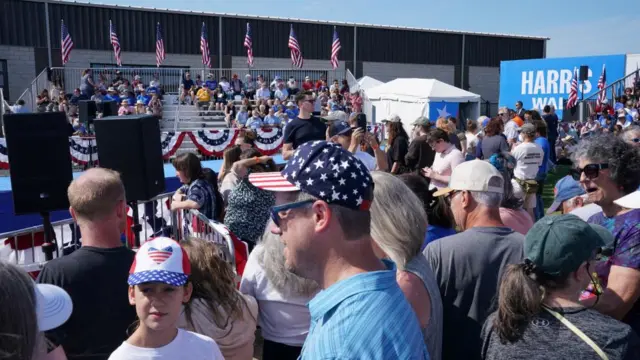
(397, 153)
(299, 131)
(187, 84)
(96, 280)
(552, 125)
(420, 154)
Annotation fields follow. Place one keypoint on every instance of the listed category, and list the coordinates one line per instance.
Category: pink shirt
(518, 220)
(444, 163)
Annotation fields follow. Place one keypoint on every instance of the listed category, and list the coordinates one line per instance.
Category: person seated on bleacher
(262, 110)
(125, 108)
(242, 117)
(307, 85)
(229, 114)
(211, 82)
(284, 119)
(236, 85)
(97, 96)
(263, 92)
(140, 109)
(144, 97)
(292, 110)
(217, 309)
(255, 121)
(224, 83)
(246, 102)
(220, 97)
(292, 84)
(249, 86)
(155, 105)
(186, 86)
(112, 95)
(281, 92)
(271, 119)
(124, 88)
(277, 105)
(203, 99)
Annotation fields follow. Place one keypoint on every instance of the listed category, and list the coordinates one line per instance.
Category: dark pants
(276, 351)
(157, 223)
(539, 210)
(552, 154)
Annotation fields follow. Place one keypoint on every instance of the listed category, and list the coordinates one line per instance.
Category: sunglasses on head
(591, 171)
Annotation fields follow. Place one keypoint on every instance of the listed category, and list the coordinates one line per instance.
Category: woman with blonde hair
(217, 309)
(398, 225)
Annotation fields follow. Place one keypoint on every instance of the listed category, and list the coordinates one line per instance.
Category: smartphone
(362, 121)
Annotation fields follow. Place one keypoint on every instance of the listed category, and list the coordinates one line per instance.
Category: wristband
(257, 159)
(375, 147)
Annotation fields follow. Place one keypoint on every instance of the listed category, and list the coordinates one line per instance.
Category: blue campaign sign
(442, 109)
(541, 82)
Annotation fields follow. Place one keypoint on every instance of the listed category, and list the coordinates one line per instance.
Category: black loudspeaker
(87, 111)
(584, 73)
(109, 108)
(39, 159)
(131, 146)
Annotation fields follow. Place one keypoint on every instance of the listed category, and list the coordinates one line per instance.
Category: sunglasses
(279, 212)
(636, 140)
(591, 171)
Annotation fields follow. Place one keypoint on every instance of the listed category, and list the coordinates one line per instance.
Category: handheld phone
(362, 121)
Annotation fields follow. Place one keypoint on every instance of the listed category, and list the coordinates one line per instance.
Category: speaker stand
(49, 237)
(136, 228)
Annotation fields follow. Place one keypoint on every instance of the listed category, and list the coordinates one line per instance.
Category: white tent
(410, 98)
(367, 82)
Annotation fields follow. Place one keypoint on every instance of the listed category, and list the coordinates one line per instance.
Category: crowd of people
(435, 246)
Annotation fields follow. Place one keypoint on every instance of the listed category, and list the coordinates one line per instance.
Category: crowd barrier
(612, 91)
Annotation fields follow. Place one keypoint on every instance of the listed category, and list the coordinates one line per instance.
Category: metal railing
(612, 92)
(30, 94)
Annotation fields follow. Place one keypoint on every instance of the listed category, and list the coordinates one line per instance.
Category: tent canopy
(367, 82)
(420, 91)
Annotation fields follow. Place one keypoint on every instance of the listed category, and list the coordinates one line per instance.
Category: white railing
(30, 94)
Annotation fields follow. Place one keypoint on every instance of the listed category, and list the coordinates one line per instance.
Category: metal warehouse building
(30, 42)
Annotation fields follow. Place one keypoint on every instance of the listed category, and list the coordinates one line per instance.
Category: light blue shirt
(272, 120)
(254, 123)
(364, 317)
(242, 117)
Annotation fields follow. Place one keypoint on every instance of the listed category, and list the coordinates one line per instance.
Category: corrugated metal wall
(22, 23)
(89, 27)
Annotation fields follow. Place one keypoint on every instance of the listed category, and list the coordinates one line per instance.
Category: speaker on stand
(40, 163)
(131, 146)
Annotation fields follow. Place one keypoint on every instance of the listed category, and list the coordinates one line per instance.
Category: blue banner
(541, 82)
(442, 109)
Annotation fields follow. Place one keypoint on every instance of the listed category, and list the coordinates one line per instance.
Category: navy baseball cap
(325, 171)
(339, 128)
(565, 189)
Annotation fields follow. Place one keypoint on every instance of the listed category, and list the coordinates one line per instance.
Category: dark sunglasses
(636, 140)
(591, 171)
(277, 210)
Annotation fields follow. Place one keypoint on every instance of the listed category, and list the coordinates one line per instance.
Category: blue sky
(576, 27)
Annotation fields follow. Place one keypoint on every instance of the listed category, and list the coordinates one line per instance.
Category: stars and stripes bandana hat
(160, 260)
(326, 171)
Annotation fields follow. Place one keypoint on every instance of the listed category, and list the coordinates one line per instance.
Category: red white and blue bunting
(209, 142)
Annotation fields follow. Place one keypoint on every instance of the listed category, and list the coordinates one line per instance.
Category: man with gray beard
(282, 299)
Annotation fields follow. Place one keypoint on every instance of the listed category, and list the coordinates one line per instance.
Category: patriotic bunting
(171, 143)
(269, 140)
(213, 142)
(83, 150)
(4, 159)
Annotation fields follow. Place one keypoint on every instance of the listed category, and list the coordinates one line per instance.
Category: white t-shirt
(586, 211)
(368, 160)
(528, 159)
(283, 318)
(472, 142)
(444, 163)
(186, 346)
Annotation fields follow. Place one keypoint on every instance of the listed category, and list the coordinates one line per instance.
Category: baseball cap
(528, 129)
(53, 306)
(160, 260)
(323, 170)
(339, 128)
(558, 244)
(483, 121)
(422, 121)
(393, 118)
(290, 103)
(335, 115)
(474, 175)
(565, 189)
(630, 201)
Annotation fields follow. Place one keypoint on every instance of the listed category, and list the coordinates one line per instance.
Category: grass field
(553, 177)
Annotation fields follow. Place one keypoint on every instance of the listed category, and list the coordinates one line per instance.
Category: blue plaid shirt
(364, 317)
(202, 193)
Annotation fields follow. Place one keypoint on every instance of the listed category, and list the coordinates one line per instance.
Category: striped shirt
(364, 317)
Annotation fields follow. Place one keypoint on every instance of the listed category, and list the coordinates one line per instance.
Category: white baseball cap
(393, 118)
(474, 175)
(160, 260)
(629, 201)
(53, 306)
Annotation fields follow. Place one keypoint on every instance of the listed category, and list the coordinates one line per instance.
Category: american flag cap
(324, 170)
(160, 260)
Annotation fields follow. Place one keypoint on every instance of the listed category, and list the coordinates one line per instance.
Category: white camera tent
(410, 99)
(367, 82)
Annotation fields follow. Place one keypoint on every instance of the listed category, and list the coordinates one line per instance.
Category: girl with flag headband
(159, 287)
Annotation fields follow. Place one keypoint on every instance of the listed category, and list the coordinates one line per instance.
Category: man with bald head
(95, 276)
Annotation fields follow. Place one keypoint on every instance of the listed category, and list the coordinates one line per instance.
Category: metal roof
(259, 17)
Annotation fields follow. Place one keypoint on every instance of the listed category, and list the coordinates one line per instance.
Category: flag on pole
(602, 84)
(296, 53)
(115, 42)
(66, 44)
(573, 93)
(335, 48)
(160, 53)
(204, 46)
(248, 43)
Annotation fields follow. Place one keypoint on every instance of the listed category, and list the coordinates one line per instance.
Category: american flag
(602, 84)
(66, 44)
(160, 255)
(248, 43)
(573, 93)
(335, 48)
(160, 53)
(115, 42)
(296, 53)
(204, 46)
